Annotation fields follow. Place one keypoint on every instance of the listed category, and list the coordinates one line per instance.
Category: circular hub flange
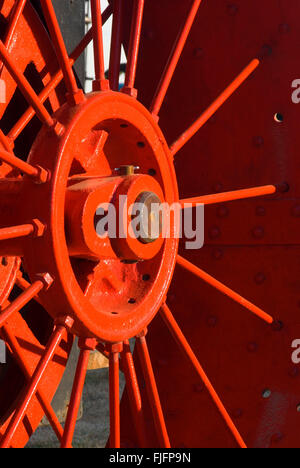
(111, 286)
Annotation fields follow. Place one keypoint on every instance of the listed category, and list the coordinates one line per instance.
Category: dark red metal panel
(251, 246)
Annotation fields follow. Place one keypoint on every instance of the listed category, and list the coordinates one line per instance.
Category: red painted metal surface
(238, 157)
(251, 246)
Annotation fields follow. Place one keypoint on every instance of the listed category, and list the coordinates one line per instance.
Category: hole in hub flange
(152, 172)
(146, 277)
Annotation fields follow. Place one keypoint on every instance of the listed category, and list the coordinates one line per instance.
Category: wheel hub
(111, 285)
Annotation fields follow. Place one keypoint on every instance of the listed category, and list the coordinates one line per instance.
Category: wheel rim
(52, 275)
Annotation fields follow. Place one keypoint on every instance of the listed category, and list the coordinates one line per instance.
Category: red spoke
(174, 59)
(134, 45)
(46, 406)
(134, 395)
(21, 301)
(101, 348)
(75, 94)
(187, 350)
(116, 45)
(25, 87)
(7, 143)
(15, 232)
(152, 391)
(23, 284)
(17, 12)
(212, 109)
(100, 83)
(29, 114)
(32, 387)
(229, 196)
(114, 396)
(40, 175)
(223, 289)
(76, 394)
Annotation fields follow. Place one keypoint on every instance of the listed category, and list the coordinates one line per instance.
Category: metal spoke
(32, 387)
(174, 59)
(14, 232)
(23, 284)
(21, 301)
(7, 142)
(16, 13)
(229, 196)
(187, 350)
(134, 45)
(152, 391)
(134, 394)
(76, 394)
(116, 45)
(26, 89)
(114, 396)
(54, 82)
(16, 351)
(224, 289)
(38, 174)
(212, 109)
(100, 83)
(75, 95)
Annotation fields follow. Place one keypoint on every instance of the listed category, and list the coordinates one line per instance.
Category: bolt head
(39, 227)
(46, 278)
(87, 344)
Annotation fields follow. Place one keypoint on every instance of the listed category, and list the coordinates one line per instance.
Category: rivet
(266, 393)
(265, 51)
(127, 444)
(198, 52)
(277, 325)
(278, 117)
(258, 141)
(162, 362)
(232, 9)
(198, 388)
(181, 445)
(252, 347)
(214, 232)
(277, 437)
(298, 408)
(237, 413)
(284, 28)
(296, 211)
(171, 298)
(260, 278)
(260, 211)
(218, 187)
(217, 254)
(149, 34)
(258, 232)
(293, 371)
(222, 211)
(171, 414)
(283, 187)
(212, 321)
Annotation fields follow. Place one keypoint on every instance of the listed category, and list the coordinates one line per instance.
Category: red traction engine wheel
(64, 153)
